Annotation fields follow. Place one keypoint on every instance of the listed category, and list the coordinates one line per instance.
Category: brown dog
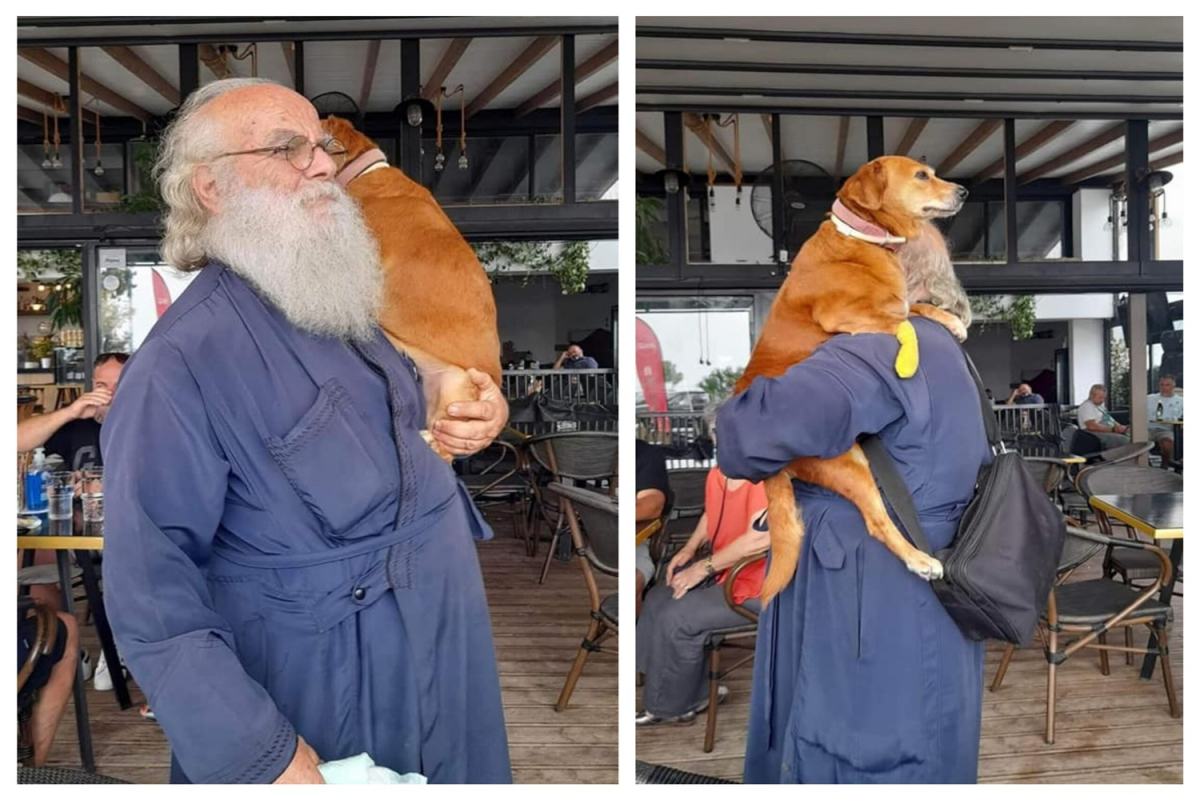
(847, 279)
(438, 305)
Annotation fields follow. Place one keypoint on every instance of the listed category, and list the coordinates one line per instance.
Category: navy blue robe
(284, 554)
(860, 676)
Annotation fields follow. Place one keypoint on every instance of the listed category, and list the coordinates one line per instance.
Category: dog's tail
(787, 531)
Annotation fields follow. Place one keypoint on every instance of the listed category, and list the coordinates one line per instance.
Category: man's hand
(474, 425)
(87, 405)
(1119, 428)
(303, 768)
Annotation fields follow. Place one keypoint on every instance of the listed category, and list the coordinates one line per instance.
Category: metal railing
(574, 385)
(684, 437)
(1031, 430)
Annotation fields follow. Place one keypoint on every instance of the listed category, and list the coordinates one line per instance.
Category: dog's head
(355, 142)
(900, 193)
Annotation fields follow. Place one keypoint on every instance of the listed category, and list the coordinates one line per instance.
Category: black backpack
(1001, 566)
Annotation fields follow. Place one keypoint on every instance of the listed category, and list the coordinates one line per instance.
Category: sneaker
(103, 680)
(648, 718)
(85, 661)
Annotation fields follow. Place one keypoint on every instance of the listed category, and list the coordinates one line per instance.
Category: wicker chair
(501, 478)
(596, 543)
(740, 637)
(579, 457)
(687, 488)
(1134, 566)
(1089, 609)
(1075, 502)
(60, 775)
(42, 645)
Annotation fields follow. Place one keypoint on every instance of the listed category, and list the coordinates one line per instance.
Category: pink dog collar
(360, 165)
(850, 224)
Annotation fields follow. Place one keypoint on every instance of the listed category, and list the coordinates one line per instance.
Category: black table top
(1159, 515)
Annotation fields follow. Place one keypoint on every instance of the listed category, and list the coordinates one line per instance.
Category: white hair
(190, 140)
(929, 273)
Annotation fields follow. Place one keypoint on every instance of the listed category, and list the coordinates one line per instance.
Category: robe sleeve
(817, 408)
(166, 481)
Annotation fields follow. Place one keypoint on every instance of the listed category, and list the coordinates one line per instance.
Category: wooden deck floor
(537, 631)
(1113, 729)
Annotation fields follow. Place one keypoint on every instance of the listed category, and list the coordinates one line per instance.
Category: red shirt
(730, 513)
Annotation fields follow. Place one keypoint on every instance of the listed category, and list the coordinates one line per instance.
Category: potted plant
(43, 350)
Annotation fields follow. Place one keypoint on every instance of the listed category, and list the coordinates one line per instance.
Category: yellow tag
(909, 355)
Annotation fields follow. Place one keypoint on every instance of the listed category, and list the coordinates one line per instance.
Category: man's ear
(204, 184)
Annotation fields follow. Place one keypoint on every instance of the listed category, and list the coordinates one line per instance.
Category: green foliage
(671, 373)
(650, 250)
(1019, 313)
(569, 265)
(41, 348)
(1118, 361)
(146, 198)
(718, 384)
(64, 303)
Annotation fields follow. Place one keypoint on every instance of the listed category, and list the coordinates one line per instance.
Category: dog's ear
(866, 187)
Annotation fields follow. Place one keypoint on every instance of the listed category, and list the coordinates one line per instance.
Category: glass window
(596, 166)
(136, 288)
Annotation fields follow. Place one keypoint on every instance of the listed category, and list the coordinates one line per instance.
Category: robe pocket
(866, 753)
(334, 463)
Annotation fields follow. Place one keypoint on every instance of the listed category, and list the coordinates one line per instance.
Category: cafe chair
(42, 645)
(1081, 614)
(735, 637)
(1075, 503)
(581, 457)
(496, 474)
(592, 519)
(687, 488)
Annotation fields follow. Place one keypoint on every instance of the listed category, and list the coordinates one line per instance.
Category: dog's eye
(922, 175)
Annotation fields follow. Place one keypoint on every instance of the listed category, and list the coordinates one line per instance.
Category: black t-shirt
(652, 471)
(77, 443)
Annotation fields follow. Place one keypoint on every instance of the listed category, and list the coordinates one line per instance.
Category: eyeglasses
(300, 152)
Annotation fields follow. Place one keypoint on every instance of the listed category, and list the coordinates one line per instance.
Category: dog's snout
(962, 192)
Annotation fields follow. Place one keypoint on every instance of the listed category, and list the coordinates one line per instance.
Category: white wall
(1091, 209)
(1074, 306)
(1086, 341)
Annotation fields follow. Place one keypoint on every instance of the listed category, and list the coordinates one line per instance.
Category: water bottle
(1158, 414)
(35, 488)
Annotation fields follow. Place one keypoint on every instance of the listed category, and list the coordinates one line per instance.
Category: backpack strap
(895, 490)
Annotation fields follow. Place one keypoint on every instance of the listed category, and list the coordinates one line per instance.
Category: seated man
(1096, 420)
(573, 358)
(653, 490)
(1165, 406)
(1023, 395)
(51, 680)
(73, 432)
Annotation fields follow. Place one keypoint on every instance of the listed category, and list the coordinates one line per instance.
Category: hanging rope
(736, 121)
(712, 172)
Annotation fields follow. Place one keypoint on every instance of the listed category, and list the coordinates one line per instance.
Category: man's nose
(322, 167)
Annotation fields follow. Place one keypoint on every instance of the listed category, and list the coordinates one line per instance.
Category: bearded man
(291, 569)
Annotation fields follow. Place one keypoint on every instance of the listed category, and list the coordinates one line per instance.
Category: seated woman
(678, 614)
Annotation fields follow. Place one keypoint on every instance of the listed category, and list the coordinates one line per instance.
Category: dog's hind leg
(442, 384)
(850, 476)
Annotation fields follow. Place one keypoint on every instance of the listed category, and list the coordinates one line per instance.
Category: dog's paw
(436, 446)
(909, 355)
(957, 328)
(925, 567)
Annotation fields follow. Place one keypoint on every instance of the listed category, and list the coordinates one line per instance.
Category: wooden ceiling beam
(364, 93)
(29, 115)
(596, 98)
(1031, 145)
(650, 148)
(59, 69)
(1167, 161)
(1108, 135)
(127, 58)
(37, 94)
(911, 134)
(968, 145)
(530, 56)
(1104, 165)
(697, 126)
(585, 69)
(840, 160)
(450, 58)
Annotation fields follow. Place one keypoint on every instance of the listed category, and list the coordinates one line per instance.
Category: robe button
(360, 593)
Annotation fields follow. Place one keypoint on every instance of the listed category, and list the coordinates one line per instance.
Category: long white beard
(318, 263)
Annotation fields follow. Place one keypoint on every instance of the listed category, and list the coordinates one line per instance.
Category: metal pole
(874, 137)
(1139, 428)
(1011, 235)
(76, 111)
(410, 86)
(568, 118)
(676, 203)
